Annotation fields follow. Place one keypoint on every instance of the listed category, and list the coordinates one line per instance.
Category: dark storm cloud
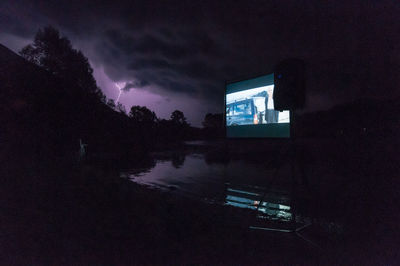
(137, 84)
(146, 63)
(149, 45)
(191, 48)
(172, 60)
(123, 43)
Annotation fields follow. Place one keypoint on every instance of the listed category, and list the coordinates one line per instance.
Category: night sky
(177, 54)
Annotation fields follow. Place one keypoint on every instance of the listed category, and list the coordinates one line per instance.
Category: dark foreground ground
(54, 212)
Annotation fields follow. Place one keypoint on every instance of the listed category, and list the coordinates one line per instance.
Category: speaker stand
(294, 186)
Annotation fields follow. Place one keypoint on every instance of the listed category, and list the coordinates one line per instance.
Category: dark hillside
(364, 117)
(42, 114)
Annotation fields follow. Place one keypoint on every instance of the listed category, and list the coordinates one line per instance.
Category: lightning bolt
(120, 91)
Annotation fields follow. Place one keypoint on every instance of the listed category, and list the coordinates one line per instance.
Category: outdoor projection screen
(249, 110)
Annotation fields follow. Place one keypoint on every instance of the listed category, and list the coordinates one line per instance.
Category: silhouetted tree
(213, 121)
(55, 54)
(121, 108)
(111, 103)
(64, 106)
(103, 98)
(142, 114)
(213, 126)
(178, 118)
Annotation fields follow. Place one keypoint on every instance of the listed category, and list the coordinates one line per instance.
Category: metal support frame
(293, 161)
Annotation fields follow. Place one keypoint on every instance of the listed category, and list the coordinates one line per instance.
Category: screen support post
(294, 160)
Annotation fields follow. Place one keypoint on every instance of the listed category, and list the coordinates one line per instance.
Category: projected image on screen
(250, 110)
(253, 106)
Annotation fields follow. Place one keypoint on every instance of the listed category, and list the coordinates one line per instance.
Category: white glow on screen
(236, 96)
(259, 101)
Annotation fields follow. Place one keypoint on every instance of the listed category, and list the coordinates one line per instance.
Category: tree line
(68, 105)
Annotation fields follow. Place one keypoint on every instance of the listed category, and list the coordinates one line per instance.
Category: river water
(338, 184)
(265, 191)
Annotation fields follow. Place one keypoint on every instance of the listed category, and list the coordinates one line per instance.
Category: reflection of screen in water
(250, 110)
(272, 207)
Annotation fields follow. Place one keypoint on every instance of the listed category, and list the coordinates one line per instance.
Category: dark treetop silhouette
(55, 54)
(58, 103)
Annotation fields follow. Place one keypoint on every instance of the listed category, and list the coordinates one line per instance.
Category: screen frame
(291, 112)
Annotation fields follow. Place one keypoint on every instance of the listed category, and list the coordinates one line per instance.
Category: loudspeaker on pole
(290, 87)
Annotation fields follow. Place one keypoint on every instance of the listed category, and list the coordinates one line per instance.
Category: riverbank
(87, 216)
(56, 213)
